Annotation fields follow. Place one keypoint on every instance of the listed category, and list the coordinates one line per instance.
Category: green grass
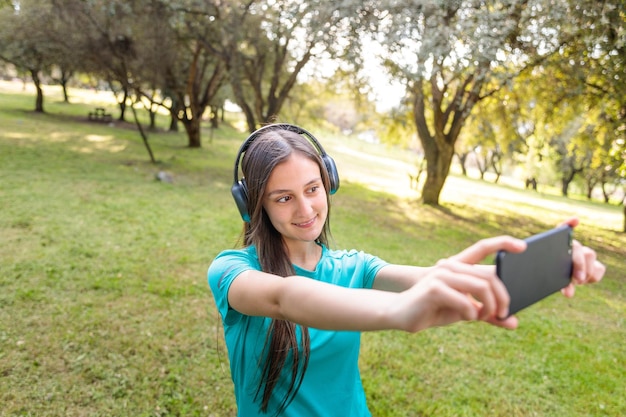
(105, 310)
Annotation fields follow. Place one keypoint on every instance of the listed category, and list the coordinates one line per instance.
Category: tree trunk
(565, 186)
(39, 100)
(462, 160)
(590, 183)
(495, 164)
(173, 122)
(64, 81)
(482, 165)
(438, 162)
(234, 69)
(192, 127)
(605, 194)
(122, 104)
(566, 180)
(152, 115)
(214, 117)
(447, 121)
(175, 111)
(66, 96)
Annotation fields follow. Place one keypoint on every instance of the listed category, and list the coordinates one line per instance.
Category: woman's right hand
(459, 289)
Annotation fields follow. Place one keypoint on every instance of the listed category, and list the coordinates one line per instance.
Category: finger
(497, 297)
(598, 271)
(569, 290)
(594, 269)
(586, 268)
(457, 305)
(485, 247)
(579, 263)
(447, 305)
(508, 323)
(572, 222)
(481, 289)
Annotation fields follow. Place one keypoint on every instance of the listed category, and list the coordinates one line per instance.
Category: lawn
(105, 310)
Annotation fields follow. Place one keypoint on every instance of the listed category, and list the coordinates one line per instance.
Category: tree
(603, 51)
(491, 133)
(28, 40)
(106, 45)
(592, 67)
(570, 159)
(194, 74)
(604, 163)
(452, 55)
(151, 49)
(266, 46)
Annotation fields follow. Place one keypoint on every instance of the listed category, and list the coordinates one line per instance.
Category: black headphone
(239, 189)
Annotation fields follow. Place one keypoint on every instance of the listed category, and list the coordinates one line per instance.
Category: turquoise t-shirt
(332, 383)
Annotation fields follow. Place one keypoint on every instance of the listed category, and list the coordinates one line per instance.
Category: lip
(306, 224)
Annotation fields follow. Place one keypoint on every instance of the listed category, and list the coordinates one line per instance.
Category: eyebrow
(283, 191)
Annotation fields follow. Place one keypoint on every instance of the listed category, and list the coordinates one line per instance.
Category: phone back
(544, 268)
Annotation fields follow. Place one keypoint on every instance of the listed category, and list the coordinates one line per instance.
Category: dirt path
(382, 173)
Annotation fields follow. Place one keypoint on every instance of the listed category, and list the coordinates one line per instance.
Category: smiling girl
(293, 309)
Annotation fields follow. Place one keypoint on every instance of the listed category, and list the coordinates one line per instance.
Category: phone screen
(544, 268)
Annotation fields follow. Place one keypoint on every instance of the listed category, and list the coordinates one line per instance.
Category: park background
(107, 227)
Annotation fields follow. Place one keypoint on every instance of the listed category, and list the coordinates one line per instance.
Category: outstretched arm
(404, 297)
(448, 292)
(586, 268)
(402, 277)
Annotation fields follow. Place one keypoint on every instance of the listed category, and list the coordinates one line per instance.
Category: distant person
(293, 309)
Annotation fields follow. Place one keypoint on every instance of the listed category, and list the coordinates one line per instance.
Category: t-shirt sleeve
(223, 271)
(372, 264)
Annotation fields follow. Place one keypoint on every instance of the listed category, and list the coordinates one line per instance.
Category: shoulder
(351, 255)
(226, 266)
(231, 263)
(357, 267)
(248, 253)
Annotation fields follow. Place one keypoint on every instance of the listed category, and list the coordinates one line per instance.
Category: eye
(314, 189)
(283, 199)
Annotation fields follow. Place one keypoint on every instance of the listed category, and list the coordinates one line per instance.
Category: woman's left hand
(586, 269)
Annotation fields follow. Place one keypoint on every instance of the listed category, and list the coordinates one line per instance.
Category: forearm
(325, 306)
(398, 278)
(312, 303)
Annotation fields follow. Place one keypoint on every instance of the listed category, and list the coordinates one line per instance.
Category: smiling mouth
(307, 223)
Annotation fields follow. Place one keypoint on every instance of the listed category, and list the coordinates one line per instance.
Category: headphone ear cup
(333, 175)
(239, 191)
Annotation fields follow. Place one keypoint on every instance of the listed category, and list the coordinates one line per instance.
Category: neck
(305, 255)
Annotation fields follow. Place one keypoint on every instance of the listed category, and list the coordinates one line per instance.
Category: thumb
(483, 248)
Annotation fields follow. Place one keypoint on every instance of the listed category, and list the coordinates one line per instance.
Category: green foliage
(105, 310)
(397, 128)
(449, 55)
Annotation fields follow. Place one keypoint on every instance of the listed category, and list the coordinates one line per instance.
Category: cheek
(322, 205)
(276, 214)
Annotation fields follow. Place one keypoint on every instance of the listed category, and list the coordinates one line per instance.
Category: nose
(305, 206)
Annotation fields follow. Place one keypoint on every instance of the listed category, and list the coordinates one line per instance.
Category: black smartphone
(544, 268)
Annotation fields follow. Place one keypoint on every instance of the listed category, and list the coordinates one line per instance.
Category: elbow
(284, 298)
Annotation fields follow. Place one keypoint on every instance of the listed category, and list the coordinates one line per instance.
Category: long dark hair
(269, 149)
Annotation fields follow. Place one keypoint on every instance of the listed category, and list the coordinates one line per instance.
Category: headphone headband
(239, 189)
(277, 126)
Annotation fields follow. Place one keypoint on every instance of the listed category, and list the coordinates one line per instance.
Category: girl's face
(295, 199)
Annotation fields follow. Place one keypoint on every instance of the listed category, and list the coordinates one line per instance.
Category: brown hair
(269, 149)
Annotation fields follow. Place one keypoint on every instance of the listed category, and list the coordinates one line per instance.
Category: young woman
(293, 309)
